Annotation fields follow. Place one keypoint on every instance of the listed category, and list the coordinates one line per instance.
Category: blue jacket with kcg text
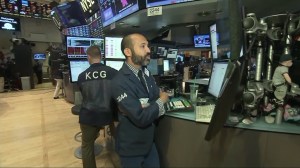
(135, 132)
(97, 106)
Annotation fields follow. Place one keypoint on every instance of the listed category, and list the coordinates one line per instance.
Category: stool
(78, 152)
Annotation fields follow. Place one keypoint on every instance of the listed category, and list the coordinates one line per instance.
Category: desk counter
(180, 143)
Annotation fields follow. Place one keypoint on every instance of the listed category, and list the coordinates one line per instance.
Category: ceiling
(191, 13)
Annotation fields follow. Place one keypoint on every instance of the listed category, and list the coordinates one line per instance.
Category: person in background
(97, 106)
(56, 73)
(179, 66)
(38, 70)
(140, 104)
(2, 64)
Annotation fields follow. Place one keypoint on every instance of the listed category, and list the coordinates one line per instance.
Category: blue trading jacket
(135, 132)
(97, 106)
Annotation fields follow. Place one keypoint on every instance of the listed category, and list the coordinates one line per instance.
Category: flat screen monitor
(152, 3)
(77, 46)
(82, 31)
(9, 23)
(113, 48)
(162, 51)
(179, 58)
(202, 41)
(89, 7)
(39, 56)
(76, 67)
(172, 53)
(112, 11)
(217, 77)
(114, 64)
(214, 40)
(70, 14)
(153, 67)
(166, 65)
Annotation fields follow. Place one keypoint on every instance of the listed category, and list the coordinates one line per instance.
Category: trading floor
(38, 131)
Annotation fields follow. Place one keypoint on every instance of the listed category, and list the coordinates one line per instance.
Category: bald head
(129, 40)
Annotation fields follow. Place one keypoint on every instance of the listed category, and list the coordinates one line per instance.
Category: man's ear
(127, 52)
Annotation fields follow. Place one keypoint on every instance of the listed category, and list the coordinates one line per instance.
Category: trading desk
(180, 143)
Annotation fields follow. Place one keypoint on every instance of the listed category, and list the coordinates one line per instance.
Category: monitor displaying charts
(113, 48)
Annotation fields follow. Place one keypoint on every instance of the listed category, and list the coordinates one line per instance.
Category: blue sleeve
(130, 106)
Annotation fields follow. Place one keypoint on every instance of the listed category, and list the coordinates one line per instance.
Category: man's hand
(164, 96)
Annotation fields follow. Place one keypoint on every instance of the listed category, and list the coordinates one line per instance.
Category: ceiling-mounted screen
(112, 10)
(9, 23)
(152, 3)
(89, 7)
(77, 46)
(113, 48)
(70, 14)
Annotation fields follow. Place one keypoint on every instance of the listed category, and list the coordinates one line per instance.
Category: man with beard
(140, 103)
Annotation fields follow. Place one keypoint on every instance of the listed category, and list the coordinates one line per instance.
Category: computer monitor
(217, 77)
(201, 41)
(114, 64)
(76, 67)
(226, 100)
(153, 67)
(166, 65)
(113, 48)
(162, 51)
(77, 46)
(172, 53)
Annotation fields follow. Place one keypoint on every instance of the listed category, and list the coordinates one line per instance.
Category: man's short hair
(94, 51)
(126, 43)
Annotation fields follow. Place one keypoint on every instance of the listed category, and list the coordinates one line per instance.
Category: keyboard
(204, 112)
(179, 105)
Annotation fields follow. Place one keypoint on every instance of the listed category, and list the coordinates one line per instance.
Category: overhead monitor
(9, 23)
(166, 65)
(83, 31)
(172, 53)
(114, 64)
(112, 11)
(77, 67)
(217, 77)
(153, 67)
(77, 46)
(89, 7)
(152, 3)
(113, 48)
(70, 14)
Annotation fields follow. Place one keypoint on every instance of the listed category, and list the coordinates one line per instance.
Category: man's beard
(140, 60)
